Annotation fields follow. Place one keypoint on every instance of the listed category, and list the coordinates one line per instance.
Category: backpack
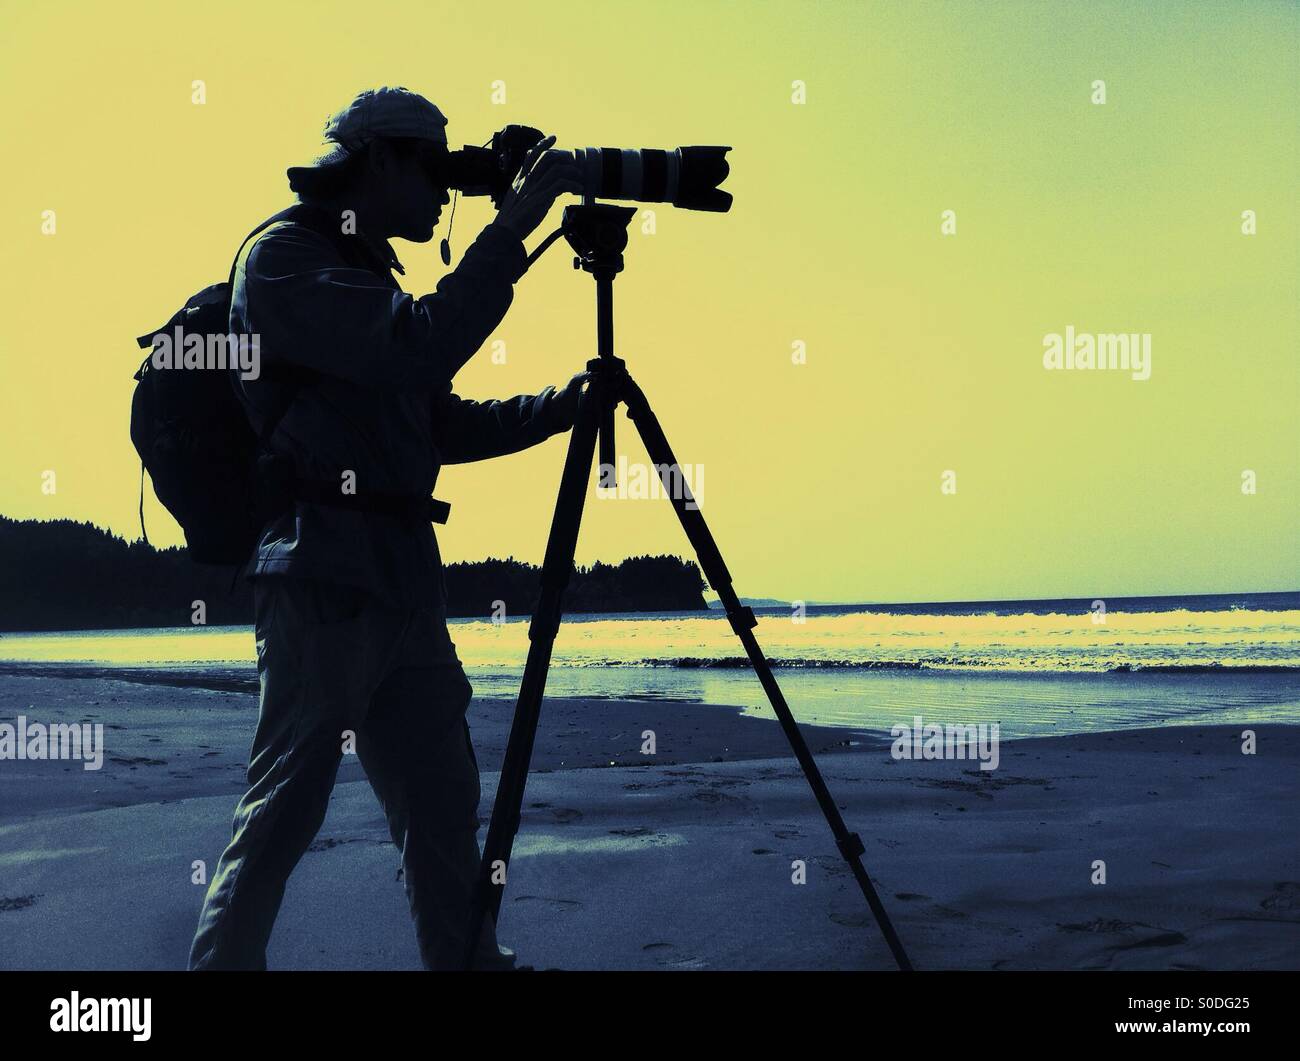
(192, 433)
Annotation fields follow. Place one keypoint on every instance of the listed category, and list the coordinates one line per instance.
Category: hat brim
(332, 154)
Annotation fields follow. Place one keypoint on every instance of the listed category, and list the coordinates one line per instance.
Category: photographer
(355, 397)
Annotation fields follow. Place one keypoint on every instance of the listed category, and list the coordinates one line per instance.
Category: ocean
(1036, 667)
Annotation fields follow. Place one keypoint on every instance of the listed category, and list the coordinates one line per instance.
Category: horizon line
(751, 596)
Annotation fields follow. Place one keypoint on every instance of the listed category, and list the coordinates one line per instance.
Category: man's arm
(466, 430)
(314, 311)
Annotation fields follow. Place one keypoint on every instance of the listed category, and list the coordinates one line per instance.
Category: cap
(375, 113)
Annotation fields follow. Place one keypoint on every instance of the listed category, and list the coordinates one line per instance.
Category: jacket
(360, 374)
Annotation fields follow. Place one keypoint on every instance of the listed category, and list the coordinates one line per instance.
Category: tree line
(65, 575)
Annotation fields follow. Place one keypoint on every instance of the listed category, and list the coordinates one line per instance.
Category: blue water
(1037, 667)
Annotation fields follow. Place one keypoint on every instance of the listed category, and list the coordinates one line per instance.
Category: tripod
(598, 235)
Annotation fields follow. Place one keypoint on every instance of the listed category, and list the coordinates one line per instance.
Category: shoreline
(768, 607)
(166, 738)
(229, 677)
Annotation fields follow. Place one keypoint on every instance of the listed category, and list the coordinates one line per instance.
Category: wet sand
(685, 859)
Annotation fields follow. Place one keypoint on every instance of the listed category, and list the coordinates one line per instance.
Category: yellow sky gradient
(924, 351)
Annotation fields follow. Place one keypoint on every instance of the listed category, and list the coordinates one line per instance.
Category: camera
(687, 177)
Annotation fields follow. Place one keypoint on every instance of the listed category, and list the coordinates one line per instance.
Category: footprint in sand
(561, 815)
(674, 963)
(549, 901)
(1164, 939)
(708, 795)
(1159, 937)
(832, 865)
(328, 843)
(1285, 897)
(565, 815)
(1102, 924)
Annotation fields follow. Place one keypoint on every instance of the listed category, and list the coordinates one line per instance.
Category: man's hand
(544, 175)
(564, 402)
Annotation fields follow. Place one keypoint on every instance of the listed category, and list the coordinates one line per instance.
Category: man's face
(415, 190)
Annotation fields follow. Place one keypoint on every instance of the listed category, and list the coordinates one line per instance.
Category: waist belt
(416, 507)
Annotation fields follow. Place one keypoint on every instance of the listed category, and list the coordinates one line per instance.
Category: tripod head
(597, 232)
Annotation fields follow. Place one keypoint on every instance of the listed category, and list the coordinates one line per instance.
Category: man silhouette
(355, 408)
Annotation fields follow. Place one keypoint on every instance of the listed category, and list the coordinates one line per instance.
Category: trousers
(340, 670)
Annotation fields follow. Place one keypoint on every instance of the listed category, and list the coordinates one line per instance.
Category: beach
(685, 859)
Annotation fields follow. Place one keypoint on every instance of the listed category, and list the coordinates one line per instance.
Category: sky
(920, 450)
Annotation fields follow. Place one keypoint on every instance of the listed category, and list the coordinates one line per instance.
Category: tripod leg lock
(544, 627)
(545, 623)
(742, 619)
(851, 846)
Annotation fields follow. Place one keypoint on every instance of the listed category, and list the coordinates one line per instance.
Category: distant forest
(63, 575)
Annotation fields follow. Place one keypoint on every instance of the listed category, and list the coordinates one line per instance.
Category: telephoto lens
(687, 177)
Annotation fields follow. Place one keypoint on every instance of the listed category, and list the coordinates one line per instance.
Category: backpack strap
(317, 220)
(307, 215)
(284, 215)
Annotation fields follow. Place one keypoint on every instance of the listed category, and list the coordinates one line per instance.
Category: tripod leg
(743, 623)
(556, 568)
